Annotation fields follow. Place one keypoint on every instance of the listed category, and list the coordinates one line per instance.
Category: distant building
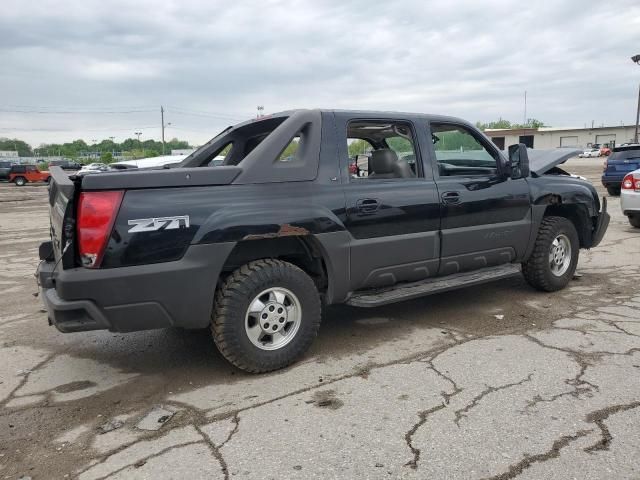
(9, 154)
(183, 151)
(553, 137)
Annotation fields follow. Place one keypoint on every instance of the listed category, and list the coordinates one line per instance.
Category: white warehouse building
(552, 137)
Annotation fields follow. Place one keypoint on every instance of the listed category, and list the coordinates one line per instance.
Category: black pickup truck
(252, 233)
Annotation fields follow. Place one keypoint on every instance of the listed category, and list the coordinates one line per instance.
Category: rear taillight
(96, 213)
(631, 182)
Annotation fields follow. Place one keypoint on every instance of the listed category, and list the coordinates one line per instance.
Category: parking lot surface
(493, 381)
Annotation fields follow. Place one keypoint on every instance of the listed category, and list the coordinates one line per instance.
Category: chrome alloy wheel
(273, 318)
(560, 255)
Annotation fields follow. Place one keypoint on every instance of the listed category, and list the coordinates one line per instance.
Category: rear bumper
(134, 298)
(602, 223)
(630, 202)
(612, 180)
(75, 315)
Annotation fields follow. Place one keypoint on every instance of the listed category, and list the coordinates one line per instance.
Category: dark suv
(621, 161)
(65, 164)
(5, 168)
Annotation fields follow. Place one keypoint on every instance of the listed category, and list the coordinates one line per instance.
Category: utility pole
(524, 123)
(635, 136)
(162, 123)
(636, 59)
(139, 143)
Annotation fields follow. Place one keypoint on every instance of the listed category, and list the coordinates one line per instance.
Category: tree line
(130, 147)
(502, 123)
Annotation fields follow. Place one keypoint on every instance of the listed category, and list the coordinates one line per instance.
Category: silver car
(93, 168)
(630, 197)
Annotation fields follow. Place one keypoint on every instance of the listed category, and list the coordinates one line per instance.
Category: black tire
(537, 269)
(613, 191)
(232, 302)
(634, 220)
(20, 181)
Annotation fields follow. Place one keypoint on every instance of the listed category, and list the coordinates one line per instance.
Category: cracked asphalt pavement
(495, 381)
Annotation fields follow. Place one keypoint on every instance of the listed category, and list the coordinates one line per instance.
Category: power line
(114, 129)
(71, 107)
(201, 113)
(76, 112)
(209, 131)
(45, 110)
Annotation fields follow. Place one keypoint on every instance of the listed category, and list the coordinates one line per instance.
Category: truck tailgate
(61, 194)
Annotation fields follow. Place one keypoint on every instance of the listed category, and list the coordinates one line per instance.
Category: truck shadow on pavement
(495, 308)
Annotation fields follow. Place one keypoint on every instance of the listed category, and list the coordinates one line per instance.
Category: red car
(21, 174)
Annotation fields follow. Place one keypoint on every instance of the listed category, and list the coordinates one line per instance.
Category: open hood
(541, 161)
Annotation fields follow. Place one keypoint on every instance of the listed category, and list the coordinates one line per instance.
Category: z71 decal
(160, 223)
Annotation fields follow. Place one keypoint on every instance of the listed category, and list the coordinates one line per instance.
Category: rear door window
(381, 149)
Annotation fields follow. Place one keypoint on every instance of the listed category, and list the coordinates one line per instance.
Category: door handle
(367, 205)
(451, 197)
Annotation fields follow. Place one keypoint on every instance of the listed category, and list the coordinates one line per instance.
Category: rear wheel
(266, 315)
(555, 255)
(20, 181)
(613, 191)
(634, 220)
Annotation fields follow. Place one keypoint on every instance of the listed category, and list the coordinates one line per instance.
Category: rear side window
(289, 154)
(220, 157)
(18, 169)
(5, 164)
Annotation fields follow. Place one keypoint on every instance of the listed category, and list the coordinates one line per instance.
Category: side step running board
(429, 286)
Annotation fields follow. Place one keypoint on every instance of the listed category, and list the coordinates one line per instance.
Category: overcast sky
(210, 63)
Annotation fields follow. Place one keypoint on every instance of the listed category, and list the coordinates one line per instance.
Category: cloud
(465, 58)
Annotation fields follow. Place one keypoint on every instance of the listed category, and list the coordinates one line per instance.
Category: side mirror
(519, 161)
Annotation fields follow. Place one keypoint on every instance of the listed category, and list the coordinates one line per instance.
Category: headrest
(382, 161)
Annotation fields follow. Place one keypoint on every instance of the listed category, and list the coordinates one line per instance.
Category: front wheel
(634, 220)
(266, 315)
(20, 181)
(613, 191)
(555, 255)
